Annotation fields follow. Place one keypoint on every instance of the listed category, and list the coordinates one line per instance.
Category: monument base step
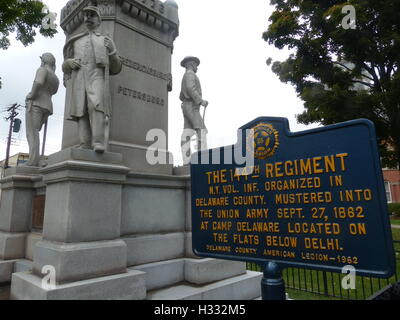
(243, 287)
(8, 267)
(194, 271)
(162, 274)
(6, 270)
(125, 286)
(205, 271)
(23, 265)
(4, 292)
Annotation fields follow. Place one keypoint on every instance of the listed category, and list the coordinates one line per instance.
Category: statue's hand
(109, 45)
(204, 103)
(28, 100)
(73, 64)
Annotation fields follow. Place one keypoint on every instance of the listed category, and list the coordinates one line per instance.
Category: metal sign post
(272, 284)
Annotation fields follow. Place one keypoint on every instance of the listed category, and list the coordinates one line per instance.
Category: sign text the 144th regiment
(312, 199)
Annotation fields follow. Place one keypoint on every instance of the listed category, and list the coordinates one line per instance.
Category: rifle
(107, 102)
(204, 115)
(44, 136)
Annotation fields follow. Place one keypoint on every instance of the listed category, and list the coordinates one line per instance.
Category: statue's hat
(48, 58)
(190, 59)
(93, 9)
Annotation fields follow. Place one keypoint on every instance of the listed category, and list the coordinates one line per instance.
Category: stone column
(81, 234)
(144, 32)
(15, 216)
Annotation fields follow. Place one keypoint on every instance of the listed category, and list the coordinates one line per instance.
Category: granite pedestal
(15, 216)
(81, 230)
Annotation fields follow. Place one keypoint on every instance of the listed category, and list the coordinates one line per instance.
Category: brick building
(392, 184)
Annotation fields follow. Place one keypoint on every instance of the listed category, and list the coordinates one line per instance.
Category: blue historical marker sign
(312, 199)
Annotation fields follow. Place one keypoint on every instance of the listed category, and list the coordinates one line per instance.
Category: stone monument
(39, 105)
(115, 227)
(192, 99)
(144, 33)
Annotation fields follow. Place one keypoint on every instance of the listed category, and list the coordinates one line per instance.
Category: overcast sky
(225, 34)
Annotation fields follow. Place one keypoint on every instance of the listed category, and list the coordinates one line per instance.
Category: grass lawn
(396, 237)
(395, 221)
(313, 281)
(364, 286)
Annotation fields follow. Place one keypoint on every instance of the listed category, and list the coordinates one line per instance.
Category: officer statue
(39, 105)
(90, 58)
(191, 97)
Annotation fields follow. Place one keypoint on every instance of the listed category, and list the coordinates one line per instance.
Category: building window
(388, 192)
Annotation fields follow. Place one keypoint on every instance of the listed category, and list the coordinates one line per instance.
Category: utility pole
(12, 114)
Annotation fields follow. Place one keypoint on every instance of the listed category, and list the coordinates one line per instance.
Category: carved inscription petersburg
(145, 97)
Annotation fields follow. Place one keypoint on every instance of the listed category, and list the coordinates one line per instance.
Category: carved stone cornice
(155, 13)
(162, 16)
(72, 15)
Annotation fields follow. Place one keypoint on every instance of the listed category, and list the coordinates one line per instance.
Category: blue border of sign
(384, 217)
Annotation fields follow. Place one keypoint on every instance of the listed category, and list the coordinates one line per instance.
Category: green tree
(23, 17)
(340, 73)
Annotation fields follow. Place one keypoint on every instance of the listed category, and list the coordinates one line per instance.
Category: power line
(14, 126)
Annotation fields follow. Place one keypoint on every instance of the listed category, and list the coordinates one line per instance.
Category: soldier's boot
(85, 135)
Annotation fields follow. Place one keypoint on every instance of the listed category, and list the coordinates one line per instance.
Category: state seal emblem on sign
(264, 140)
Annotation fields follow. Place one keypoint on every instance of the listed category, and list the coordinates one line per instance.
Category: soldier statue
(39, 105)
(191, 97)
(90, 58)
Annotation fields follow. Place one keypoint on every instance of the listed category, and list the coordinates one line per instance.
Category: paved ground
(4, 292)
(395, 226)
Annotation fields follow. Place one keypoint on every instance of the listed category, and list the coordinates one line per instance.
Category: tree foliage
(23, 17)
(343, 74)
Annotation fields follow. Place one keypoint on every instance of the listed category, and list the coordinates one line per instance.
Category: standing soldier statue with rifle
(191, 97)
(90, 58)
(39, 105)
